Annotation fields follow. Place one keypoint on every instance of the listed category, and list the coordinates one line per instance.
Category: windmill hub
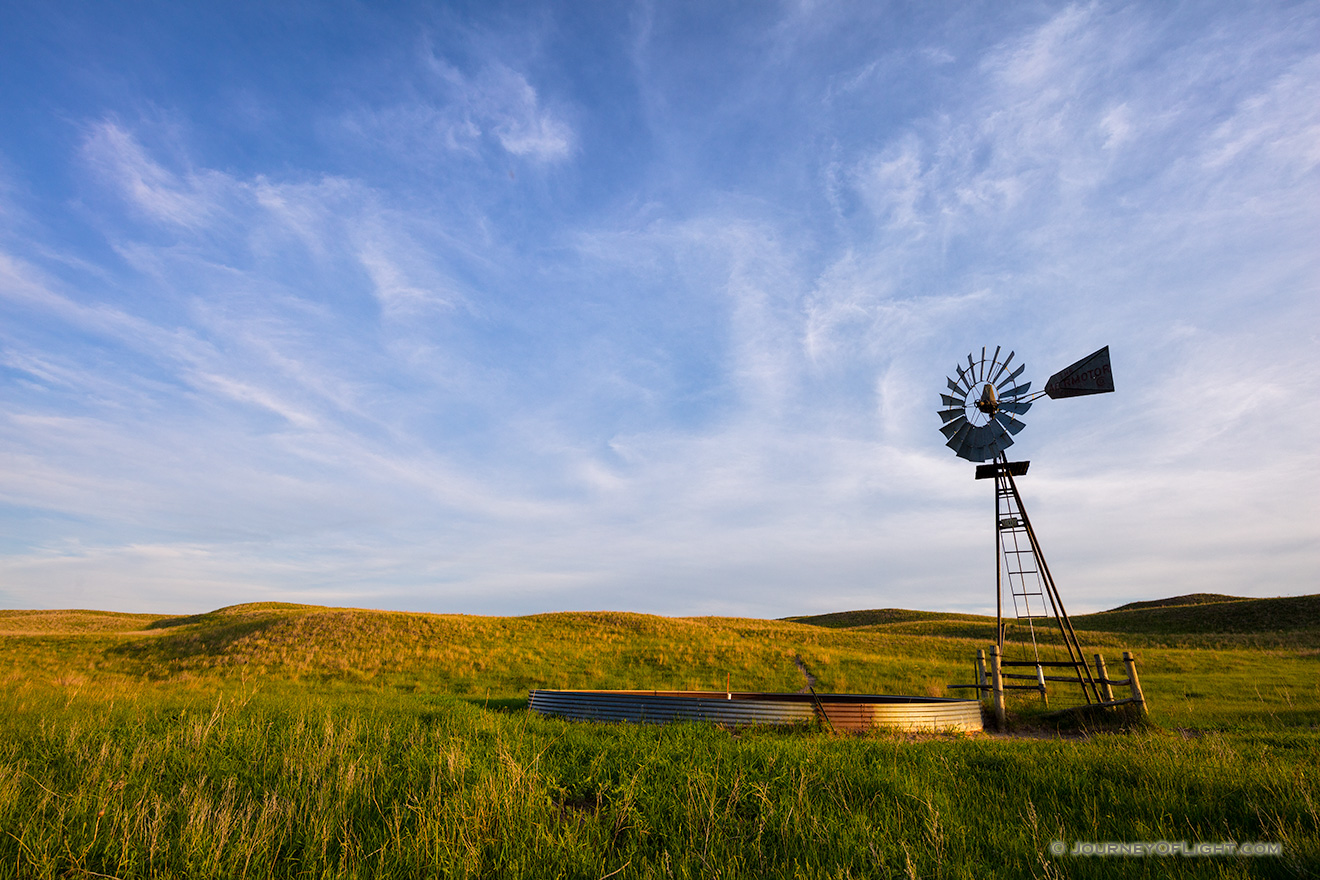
(988, 404)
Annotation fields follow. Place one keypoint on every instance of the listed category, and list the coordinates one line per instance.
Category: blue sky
(509, 308)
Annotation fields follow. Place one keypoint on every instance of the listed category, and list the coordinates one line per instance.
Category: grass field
(298, 741)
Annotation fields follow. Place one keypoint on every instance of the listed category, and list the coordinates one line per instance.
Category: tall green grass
(303, 742)
(179, 783)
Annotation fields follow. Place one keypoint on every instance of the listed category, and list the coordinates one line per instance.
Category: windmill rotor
(980, 414)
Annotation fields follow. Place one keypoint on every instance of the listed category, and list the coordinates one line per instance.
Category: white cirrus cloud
(451, 111)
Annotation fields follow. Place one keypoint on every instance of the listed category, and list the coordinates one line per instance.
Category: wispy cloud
(186, 199)
(516, 115)
(452, 111)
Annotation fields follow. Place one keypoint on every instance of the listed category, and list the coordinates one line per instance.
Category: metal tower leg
(1012, 521)
(999, 565)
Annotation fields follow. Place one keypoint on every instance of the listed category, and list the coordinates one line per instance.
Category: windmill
(981, 416)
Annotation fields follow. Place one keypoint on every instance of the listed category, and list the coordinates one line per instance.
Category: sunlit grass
(308, 742)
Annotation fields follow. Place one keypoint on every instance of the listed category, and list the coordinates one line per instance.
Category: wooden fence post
(1137, 696)
(1105, 690)
(997, 683)
(980, 673)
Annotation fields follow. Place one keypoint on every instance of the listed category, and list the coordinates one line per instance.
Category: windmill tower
(981, 417)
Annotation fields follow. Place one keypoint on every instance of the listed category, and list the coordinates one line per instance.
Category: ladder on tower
(1031, 588)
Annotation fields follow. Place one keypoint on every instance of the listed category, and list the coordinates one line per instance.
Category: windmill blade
(951, 401)
(1091, 375)
(963, 437)
(1014, 407)
(1003, 366)
(987, 451)
(1015, 392)
(959, 437)
(989, 366)
(1009, 424)
(1001, 441)
(972, 453)
(981, 364)
(979, 436)
(953, 427)
(965, 378)
(956, 389)
(1011, 376)
(967, 449)
(950, 414)
(982, 442)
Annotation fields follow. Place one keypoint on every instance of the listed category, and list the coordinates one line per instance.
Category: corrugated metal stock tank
(853, 712)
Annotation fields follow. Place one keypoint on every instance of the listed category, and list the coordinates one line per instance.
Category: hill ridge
(1189, 599)
(1196, 613)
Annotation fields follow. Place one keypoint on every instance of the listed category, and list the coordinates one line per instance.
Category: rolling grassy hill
(1189, 599)
(475, 655)
(878, 616)
(1205, 614)
(1200, 618)
(878, 651)
(72, 621)
(272, 740)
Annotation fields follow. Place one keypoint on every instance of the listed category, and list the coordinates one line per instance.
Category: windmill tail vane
(1091, 375)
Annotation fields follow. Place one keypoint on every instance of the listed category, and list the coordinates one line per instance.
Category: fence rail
(993, 681)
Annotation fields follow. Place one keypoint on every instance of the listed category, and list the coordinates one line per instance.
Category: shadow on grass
(230, 613)
(207, 635)
(506, 705)
(1078, 720)
(172, 622)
